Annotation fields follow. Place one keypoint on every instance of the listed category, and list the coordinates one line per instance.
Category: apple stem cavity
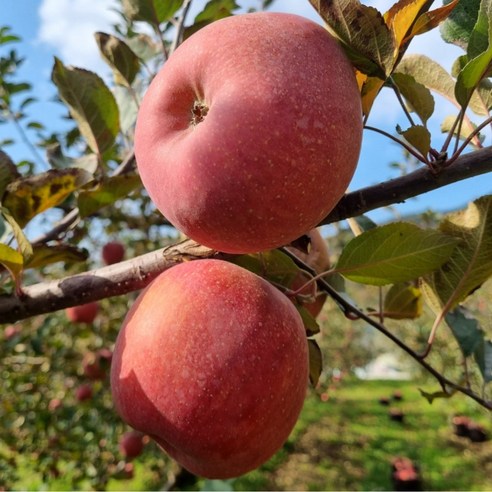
(198, 112)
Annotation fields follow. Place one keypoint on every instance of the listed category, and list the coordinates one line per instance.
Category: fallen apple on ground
(251, 132)
(212, 363)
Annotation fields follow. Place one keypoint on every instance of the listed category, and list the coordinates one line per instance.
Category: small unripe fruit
(113, 252)
(85, 313)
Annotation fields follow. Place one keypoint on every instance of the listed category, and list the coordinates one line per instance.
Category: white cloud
(68, 26)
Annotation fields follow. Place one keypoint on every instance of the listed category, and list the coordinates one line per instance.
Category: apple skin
(85, 313)
(318, 258)
(251, 132)
(212, 363)
(131, 444)
(113, 252)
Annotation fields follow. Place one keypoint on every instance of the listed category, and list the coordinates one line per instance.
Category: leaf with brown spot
(366, 38)
(27, 197)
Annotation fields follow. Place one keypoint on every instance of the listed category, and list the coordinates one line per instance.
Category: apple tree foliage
(81, 189)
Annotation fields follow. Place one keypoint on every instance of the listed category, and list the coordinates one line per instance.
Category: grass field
(348, 442)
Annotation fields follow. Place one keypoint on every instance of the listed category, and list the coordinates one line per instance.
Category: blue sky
(65, 28)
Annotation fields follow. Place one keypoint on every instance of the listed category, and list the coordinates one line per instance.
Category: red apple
(318, 258)
(113, 252)
(95, 364)
(85, 313)
(132, 444)
(11, 331)
(83, 392)
(212, 363)
(251, 132)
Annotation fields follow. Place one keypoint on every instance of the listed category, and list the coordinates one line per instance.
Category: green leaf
(470, 264)
(152, 11)
(366, 38)
(12, 260)
(471, 76)
(144, 46)
(315, 362)
(106, 193)
(466, 330)
(433, 76)
(45, 255)
(430, 397)
(213, 11)
(483, 357)
(27, 197)
(8, 172)
(310, 323)
(273, 265)
(416, 94)
(128, 108)
(458, 26)
(393, 253)
(480, 36)
(418, 136)
(403, 301)
(119, 56)
(91, 104)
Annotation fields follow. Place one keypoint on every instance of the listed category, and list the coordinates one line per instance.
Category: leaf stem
(407, 147)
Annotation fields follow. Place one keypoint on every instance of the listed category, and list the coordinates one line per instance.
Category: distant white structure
(385, 366)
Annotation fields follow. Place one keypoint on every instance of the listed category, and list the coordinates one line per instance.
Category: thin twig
(178, 36)
(407, 147)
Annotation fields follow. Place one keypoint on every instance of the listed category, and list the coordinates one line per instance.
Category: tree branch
(110, 281)
(413, 184)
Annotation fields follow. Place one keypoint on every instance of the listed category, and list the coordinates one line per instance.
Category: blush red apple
(250, 133)
(212, 363)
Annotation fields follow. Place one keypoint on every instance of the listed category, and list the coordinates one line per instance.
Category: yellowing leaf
(403, 301)
(393, 253)
(12, 260)
(430, 20)
(27, 197)
(370, 87)
(401, 17)
(45, 255)
(470, 265)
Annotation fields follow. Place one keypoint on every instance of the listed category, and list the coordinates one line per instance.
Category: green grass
(348, 442)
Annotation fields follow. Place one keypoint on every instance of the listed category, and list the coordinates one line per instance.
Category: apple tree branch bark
(136, 273)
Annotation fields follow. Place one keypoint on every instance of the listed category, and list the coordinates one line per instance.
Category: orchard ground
(348, 442)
